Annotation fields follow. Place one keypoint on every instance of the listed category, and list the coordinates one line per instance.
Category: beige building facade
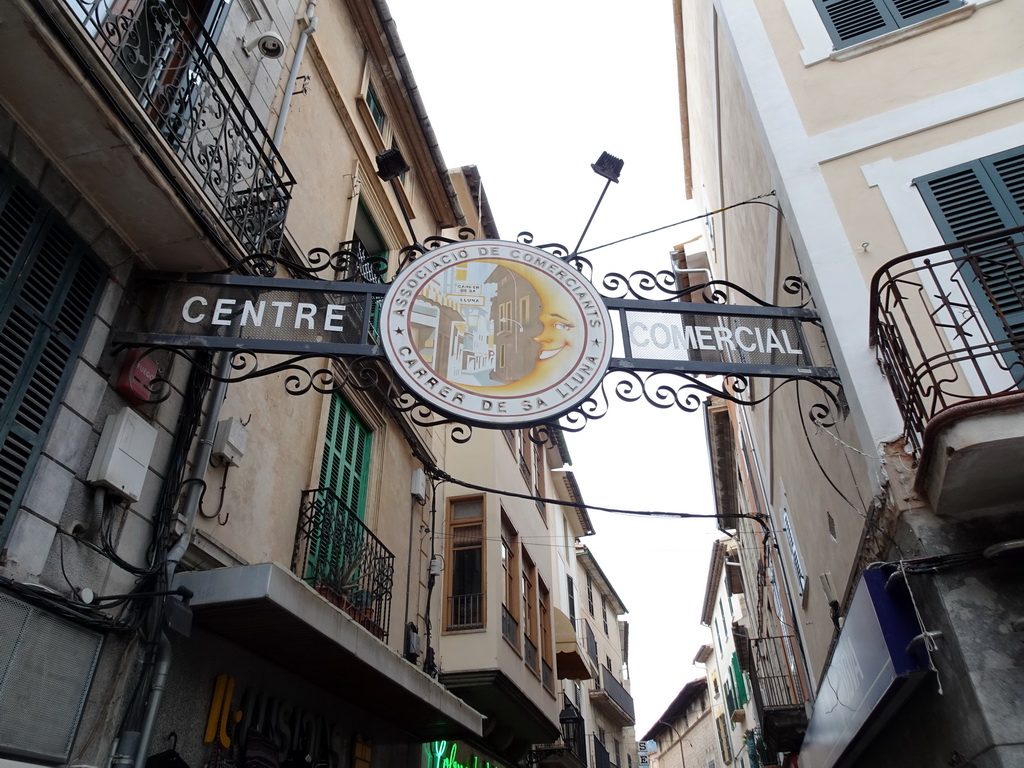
(685, 734)
(852, 142)
(249, 558)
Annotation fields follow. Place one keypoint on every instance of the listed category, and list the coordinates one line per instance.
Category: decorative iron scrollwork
(626, 381)
(685, 392)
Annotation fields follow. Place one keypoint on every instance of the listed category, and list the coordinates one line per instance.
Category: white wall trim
(830, 265)
(894, 180)
(817, 42)
(922, 115)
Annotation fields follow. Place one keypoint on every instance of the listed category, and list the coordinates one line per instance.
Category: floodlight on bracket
(609, 167)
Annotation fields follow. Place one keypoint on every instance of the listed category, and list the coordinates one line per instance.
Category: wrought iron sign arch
(485, 333)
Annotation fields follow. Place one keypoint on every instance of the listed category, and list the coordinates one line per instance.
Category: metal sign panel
(257, 314)
(715, 339)
(875, 659)
(500, 334)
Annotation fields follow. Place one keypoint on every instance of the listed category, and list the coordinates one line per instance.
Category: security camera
(268, 44)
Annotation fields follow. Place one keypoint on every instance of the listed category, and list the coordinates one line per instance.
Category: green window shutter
(345, 468)
(741, 686)
(854, 21)
(982, 196)
(49, 286)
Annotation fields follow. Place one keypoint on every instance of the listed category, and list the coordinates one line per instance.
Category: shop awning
(570, 659)
(267, 610)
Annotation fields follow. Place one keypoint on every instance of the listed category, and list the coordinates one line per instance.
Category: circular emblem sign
(496, 333)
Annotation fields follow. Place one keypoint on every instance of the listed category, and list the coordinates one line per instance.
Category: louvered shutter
(345, 466)
(344, 470)
(854, 21)
(982, 196)
(49, 286)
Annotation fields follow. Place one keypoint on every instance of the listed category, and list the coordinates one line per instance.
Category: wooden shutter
(345, 467)
(982, 196)
(853, 21)
(49, 286)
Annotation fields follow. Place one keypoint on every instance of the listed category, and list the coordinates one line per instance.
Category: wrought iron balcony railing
(359, 265)
(337, 555)
(611, 690)
(948, 325)
(591, 643)
(572, 742)
(466, 611)
(165, 58)
(509, 627)
(573, 729)
(758, 753)
(530, 654)
(779, 692)
(774, 660)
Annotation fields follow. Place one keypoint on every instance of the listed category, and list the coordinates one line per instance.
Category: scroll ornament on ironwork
(492, 333)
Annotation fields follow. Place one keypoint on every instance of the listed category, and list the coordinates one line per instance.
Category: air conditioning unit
(45, 673)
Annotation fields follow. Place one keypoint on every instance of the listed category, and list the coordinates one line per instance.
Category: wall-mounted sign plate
(496, 333)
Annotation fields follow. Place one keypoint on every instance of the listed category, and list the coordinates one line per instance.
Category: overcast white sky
(531, 93)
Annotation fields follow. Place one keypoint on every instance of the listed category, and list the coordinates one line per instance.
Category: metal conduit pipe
(293, 73)
(190, 508)
(161, 670)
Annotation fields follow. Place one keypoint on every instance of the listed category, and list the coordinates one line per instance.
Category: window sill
(899, 35)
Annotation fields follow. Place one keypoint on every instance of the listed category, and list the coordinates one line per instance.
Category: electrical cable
(758, 200)
(864, 514)
(434, 471)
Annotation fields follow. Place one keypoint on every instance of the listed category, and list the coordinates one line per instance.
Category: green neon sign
(441, 755)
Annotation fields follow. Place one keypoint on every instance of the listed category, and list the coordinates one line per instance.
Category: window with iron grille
(530, 607)
(854, 21)
(986, 195)
(510, 565)
(49, 286)
(466, 560)
(336, 536)
(544, 618)
(570, 589)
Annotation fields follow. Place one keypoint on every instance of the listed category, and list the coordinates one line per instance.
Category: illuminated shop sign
(454, 754)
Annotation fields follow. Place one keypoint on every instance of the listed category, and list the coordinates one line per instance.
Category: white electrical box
(229, 442)
(419, 485)
(122, 457)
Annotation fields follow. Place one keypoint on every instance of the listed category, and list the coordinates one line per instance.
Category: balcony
(358, 265)
(570, 750)
(151, 125)
(601, 757)
(271, 613)
(570, 659)
(948, 327)
(509, 627)
(591, 643)
(339, 557)
(610, 697)
(758, 753)
(779, 694)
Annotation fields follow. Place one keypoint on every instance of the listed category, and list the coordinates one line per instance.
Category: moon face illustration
(560, 339)
(496, 332)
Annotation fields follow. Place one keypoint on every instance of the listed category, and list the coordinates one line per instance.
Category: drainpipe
(162, 658)
(293, 73)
